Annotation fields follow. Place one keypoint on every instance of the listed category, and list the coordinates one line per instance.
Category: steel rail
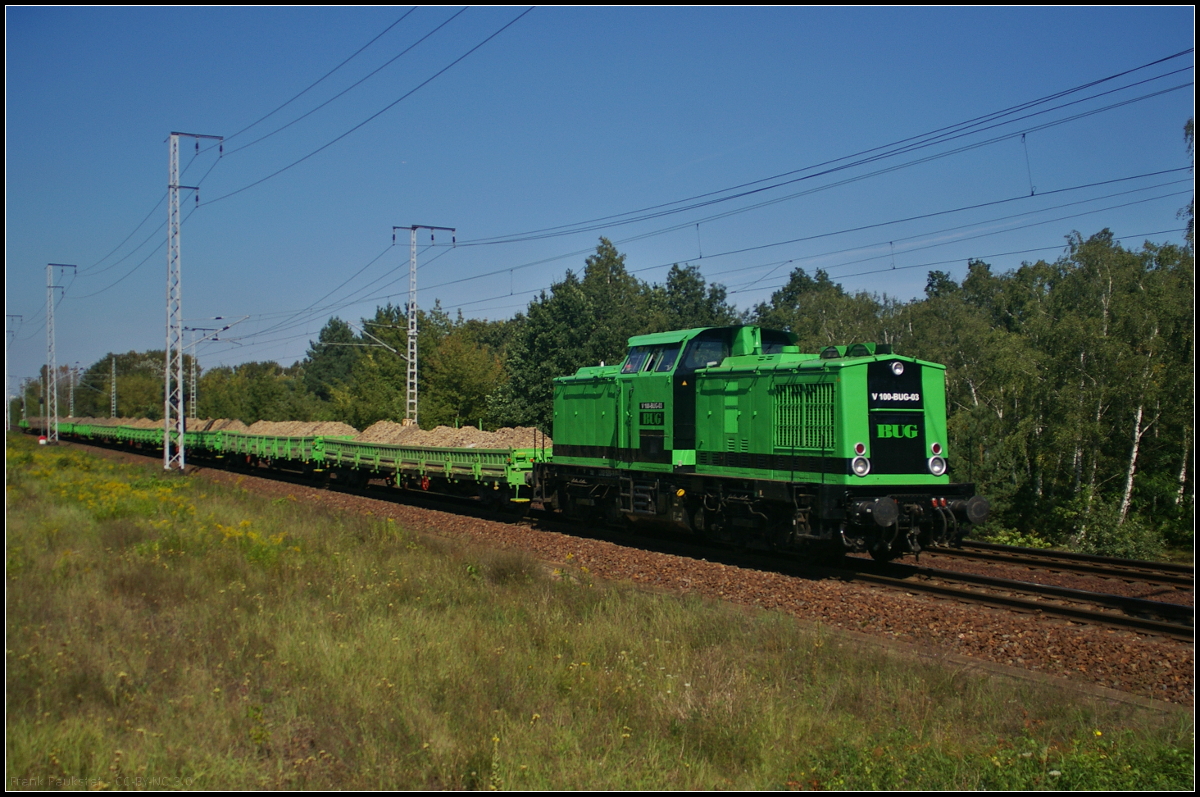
(1160, 573)
(1174, 630)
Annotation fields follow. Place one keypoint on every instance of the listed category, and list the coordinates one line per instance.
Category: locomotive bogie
(764, 514)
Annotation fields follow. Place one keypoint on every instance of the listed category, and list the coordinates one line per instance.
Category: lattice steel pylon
(410, 409)
(174, 411)
(9, 334)
(51, 391)
(410, 405)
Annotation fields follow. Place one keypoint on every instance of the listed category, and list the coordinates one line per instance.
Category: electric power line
(349, 88)
(323, 77)
(374, 116)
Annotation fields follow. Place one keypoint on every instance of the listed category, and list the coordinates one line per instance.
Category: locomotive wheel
(882, 553)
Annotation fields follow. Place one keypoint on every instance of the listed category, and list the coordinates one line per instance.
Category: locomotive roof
(680, 335)
(658, 338)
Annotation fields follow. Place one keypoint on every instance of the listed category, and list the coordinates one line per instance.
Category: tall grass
(162, 632)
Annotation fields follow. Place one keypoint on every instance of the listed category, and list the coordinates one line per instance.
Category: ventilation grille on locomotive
(804, 416)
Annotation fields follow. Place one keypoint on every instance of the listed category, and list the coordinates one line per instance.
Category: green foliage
(459, 376)
(618, 306)
(551, 340)
(1069, 379)
(378, 386)
(1002, 536)
(255, 391)
(939, 285)
(1095, 527)
(687, 301)
(821, 313)
(579, 323)
(139, 386)
(330, 360)
(459, 368)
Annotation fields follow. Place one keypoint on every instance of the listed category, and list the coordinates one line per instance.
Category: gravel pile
(301, 429)
(193, 424)
(448, 437)
(108, 421)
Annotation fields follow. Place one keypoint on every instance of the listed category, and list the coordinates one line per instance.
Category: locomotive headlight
(937, 466)
(897, 368)
(861, 466)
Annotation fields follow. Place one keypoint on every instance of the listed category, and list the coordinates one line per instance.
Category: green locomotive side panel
(586, 417)
(935, 408)
(769, 419)
(800, 418)
(648, 429)
(647, 418)
(626, 416)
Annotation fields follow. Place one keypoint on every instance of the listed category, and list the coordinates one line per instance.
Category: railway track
(1158, 573)
(1115, 611)
(1155, 617)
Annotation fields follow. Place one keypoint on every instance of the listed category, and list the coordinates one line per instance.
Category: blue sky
(565, 116)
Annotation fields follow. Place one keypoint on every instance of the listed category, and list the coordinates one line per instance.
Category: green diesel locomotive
(733, 434)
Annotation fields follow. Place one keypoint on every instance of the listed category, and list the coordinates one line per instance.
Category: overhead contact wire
(323, 77)
(351, 86)
(373, 116)
(911, 142)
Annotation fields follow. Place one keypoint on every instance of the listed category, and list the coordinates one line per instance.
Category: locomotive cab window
(667, 361)
(707, 349)
(773, 341)
(651, 359)
(636, 359)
